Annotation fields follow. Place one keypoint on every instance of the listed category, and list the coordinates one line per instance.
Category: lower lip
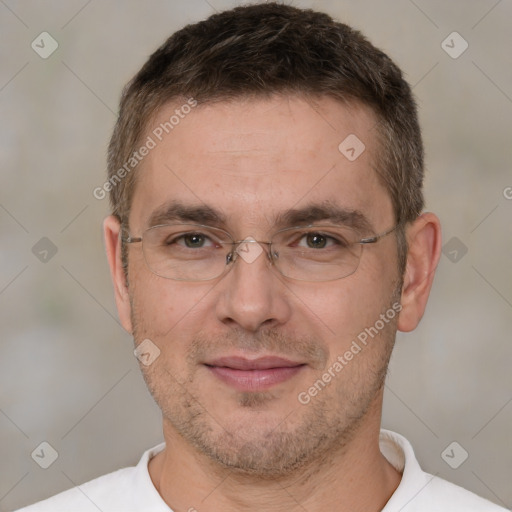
(254, 380)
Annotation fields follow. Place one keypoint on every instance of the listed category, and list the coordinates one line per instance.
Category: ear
(424, 241)
(112, 236)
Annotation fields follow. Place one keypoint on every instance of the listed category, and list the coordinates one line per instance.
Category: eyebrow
(325, 211)
(176, 211)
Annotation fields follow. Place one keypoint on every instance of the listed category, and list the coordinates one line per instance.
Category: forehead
(253, 159)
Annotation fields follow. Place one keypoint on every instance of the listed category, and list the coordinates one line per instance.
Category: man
(266, 242)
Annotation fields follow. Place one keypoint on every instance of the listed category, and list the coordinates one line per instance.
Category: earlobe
(424, 241)
(112, 237)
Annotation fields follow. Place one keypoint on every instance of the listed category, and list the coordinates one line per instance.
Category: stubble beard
(307, 434)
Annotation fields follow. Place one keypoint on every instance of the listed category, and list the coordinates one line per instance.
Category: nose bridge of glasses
(249, 249)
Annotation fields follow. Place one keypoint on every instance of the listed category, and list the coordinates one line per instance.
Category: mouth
(254, 374)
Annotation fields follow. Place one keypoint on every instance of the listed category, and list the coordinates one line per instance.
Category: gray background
(67, 372)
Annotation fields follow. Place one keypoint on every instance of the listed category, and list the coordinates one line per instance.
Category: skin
(229, 450)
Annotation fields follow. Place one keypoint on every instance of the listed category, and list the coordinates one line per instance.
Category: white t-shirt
(131, 489)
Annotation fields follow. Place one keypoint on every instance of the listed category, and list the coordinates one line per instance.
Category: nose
(252, 295)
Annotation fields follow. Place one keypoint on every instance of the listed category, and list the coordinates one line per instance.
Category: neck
(355, 477)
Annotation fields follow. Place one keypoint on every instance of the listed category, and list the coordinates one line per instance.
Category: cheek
(343, 309)
(168, 314)
(164, 309)
(348, 305)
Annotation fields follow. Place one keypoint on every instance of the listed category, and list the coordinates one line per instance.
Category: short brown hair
(265, 49)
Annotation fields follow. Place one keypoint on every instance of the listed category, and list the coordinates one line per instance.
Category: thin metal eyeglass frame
(232, 255)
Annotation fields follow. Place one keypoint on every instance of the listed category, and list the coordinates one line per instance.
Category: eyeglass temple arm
(376, 238)
(131, 240)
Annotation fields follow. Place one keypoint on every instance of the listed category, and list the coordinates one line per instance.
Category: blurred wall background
(67, 372)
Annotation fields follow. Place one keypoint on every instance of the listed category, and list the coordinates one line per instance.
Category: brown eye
(316, 241)
(194, 240)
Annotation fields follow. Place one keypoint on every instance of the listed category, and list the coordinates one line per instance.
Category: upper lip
(261, 363)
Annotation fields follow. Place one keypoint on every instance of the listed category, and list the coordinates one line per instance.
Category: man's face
(251, 161)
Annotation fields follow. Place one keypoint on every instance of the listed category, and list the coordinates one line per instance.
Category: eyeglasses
(194, 252)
